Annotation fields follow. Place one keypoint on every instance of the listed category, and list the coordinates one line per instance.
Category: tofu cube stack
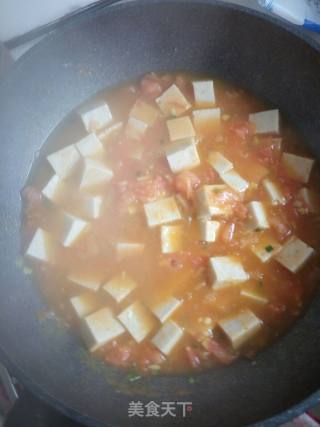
(274, 193)
(73, 229)
(228, 175)
(182, 155)
(42, 247)
(206, 120)
(56, 191)
(257, 216)
(162, 211)
(209, 230)
(90, 280)
(85, 303)
(167, 337)
(208, 201)
(226, 271)
(90, 146)
(95, 175)
(294, 254)
(266, 248)
(203, 91)
(166, 308)
(64, 162)
(137, 320)
(266, 121)
(100, 327)
(119, 287)
(241, 327)
(171, 238)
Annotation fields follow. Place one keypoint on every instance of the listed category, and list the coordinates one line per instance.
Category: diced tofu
(42, 247)
(127, 249)
(171, 238)
(266, 121)
(274, 193)
(95, 175)
(138, 321)
(227, 271)
(297, 167)
(294, 254)
(91, 280)
(209, 230)
(91, 206)
(110, 133)
(254, 296)
(55, 190)
(166, 308)
(72, 229)
(65, 161)
(206, 119)
(240, 328)
(96, 118)
(219, 163)
(167, 337)
(162, 211)
(120, 287)
(266, 248)
(235, 181)
(182, 155)
(210, 201)
(135, 129)
(144, 112)
(85, 303)
(180, 128)
(308, 200)
(90, 146)
(257, 216)
(99, 328)
(204, 93)
(173, 102)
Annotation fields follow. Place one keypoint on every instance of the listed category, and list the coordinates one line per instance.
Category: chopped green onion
(269, 248)
(133, 377)
(191, 380)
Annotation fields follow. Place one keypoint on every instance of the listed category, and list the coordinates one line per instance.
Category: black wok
(108, 47)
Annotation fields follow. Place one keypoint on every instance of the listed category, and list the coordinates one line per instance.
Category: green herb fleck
(269, 248)
(191, 380)
(133, 377)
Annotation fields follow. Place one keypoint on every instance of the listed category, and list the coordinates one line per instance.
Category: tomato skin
(220, 352)
(151, 356)
(240, 130)
(120, 355)
(186, 183)
(150, 86)
(193, 357)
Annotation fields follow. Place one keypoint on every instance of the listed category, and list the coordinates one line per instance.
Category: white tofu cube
(85, 303)
(166, 308)
(219, 163)
(55, 190)
(162, 211)
(91, 206)
(120, 287)
(180, 128)
(173, 102)
(167, 337)
(266, 248)
(86, 279)
(95, 175)
(266, 121)
(96, 118)
(274, 193)
(209, 230)
(127, 249)
(171, 238)
(206, 119)
(204, 93)
(144, 112)
(72, 229)
(307, 201)
(90, 146)
(240, 328)
(294, 254)
(227, 271)
(235, 181)
(65, 161)
(110, 133)
(182, 155)
(211, 201)
(138, 321)
(297, 167)
(257, 216)
(99, 328)
(254, 296)
(135, 129)
(42, 247)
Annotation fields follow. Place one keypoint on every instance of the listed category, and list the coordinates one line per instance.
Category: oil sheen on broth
(174, 223)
